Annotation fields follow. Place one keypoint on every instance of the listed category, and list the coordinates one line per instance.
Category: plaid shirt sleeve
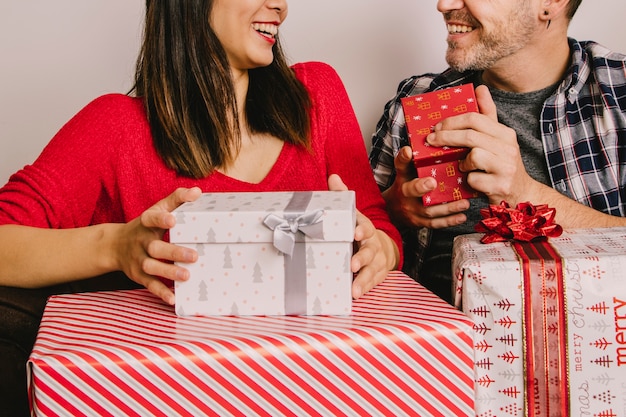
(389, 137)
(584, 129)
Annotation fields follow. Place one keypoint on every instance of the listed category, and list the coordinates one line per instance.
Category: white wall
(55, 56)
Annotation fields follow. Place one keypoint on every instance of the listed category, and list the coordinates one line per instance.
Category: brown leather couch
(20, 314)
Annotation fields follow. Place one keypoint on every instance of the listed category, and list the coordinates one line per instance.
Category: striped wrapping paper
(403, 351)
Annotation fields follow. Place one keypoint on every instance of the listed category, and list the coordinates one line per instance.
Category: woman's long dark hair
(184, 77)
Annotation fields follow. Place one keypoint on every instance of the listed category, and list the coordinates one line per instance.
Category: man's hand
(494, 162)
(404, 202)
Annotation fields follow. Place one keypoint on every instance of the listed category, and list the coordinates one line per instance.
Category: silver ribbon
(285, 229)
(289, 234)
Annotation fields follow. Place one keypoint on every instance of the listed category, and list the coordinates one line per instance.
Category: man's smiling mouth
(459, 28)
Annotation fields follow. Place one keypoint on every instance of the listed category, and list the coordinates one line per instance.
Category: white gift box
(274, 253)
(588, 277)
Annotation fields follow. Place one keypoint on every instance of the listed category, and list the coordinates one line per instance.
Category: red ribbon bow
(524, 223)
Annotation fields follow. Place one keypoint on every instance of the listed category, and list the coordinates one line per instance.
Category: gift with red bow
(549, 313)
(524, 223)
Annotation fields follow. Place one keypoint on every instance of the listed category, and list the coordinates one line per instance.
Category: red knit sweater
(102, 166)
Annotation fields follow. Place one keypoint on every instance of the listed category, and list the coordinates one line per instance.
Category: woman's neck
(241, 81)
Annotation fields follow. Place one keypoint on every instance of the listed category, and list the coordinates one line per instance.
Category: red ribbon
(524, 223)
(545, 332)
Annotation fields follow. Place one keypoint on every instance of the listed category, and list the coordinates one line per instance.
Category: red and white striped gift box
(402, 351)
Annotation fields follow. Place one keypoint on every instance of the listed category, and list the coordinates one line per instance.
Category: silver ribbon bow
(285, 229)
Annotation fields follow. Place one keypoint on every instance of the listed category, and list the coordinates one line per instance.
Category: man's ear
(553, 9)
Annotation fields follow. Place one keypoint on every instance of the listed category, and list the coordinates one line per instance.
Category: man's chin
(458, 66)
(461, 65)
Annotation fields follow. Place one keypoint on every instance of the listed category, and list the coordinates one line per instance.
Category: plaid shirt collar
(584, 129)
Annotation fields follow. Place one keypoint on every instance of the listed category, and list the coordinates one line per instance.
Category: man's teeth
(459, 29)
(266, 28)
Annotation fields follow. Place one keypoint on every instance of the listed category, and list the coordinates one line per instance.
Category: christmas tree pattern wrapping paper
(422, 112)
(550, 322)
(271, 253)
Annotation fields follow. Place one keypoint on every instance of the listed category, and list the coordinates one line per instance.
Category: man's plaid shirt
(583, 128)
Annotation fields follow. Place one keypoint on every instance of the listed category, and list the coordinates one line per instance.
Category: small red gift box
(422, 113)
(402, 351)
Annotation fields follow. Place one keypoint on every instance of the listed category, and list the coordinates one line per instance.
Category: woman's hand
(143, 255)
(376, 253)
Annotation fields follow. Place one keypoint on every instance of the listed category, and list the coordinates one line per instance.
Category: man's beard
(508, 37)
(480, 56)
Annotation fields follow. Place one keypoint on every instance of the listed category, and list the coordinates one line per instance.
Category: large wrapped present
(268, 253)
(550, 322)
(403, 351)
(422, 112)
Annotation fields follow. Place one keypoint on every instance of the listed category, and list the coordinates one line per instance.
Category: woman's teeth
(266, 28)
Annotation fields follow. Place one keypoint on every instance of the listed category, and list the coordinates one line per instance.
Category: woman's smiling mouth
(269, 30)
